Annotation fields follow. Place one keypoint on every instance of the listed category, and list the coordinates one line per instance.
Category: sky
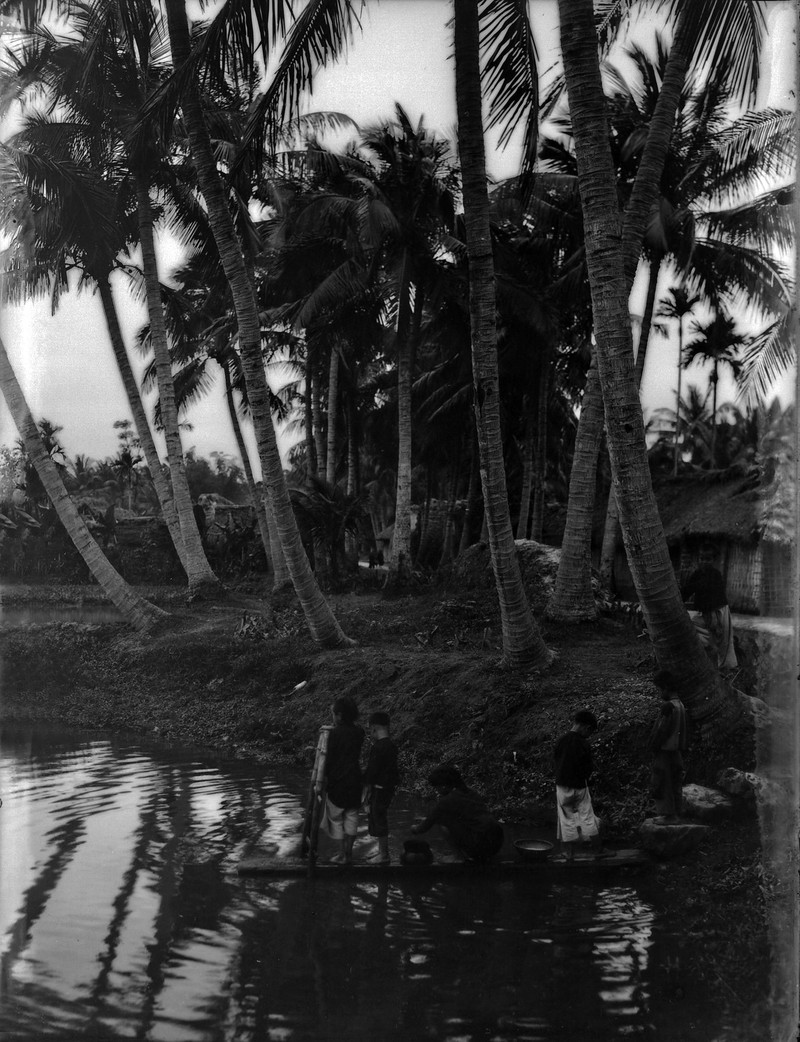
(64, 361)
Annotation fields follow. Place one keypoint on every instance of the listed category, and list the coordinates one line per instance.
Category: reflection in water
(122, 917)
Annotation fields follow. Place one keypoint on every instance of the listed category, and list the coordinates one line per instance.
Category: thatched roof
(734, 510)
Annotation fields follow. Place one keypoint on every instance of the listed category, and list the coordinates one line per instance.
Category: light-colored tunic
(576, 817)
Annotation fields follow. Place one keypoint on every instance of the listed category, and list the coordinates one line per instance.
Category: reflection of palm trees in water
(145, 836)
(66, 840)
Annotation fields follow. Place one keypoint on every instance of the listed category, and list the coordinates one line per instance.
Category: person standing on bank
(578, 827)
(668, 742)
(380, 780)
(343, 776)
(705, 589)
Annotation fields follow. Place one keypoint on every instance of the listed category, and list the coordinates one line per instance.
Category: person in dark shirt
(705, 590)
(668, 742)
(380, 778)
(572, 756)
(462, 816)
(343, 776)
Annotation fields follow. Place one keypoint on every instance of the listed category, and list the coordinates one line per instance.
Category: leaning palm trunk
(522, 642)
(674, 637)
(200, 577)
(645, 192)
(256, 497)
(161, 481)
(611, 529)
(138, 612)
(321, 620)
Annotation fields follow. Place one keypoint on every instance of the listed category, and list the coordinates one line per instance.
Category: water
(122, 917)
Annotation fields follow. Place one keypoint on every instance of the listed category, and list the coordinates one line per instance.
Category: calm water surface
(122, 917)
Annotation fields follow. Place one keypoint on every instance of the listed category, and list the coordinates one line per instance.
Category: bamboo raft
(259, 864)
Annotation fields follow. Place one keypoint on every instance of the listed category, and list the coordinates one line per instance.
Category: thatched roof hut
(753, 527)
(697, 509)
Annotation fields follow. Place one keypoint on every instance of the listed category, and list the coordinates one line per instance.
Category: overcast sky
(65, 362)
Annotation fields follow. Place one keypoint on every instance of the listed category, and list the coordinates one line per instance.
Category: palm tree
(678, 304)
(522, 642)
(609, 260)
(718, 342)
(99, 142)
(319, 616)
(723, 252)
(138, 612)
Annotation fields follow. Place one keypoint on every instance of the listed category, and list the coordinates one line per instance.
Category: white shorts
(341, 822)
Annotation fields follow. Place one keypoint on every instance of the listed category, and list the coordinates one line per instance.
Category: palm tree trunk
(674, 637)
(161, 481)
(527, 474)
(321, 620)
(539, 473)
(201, 578)
(447, 535)
(401, 541)
(676, 449)
(256, 497)
(472, 497)
(647, 184)
(714, 378)
(333, 415)
(311, 448)
(321, 462)
(572, 599)
(280, 570)
(352, 540)
(645, 191)
(138, 612)
(611, 529)
(522, 642)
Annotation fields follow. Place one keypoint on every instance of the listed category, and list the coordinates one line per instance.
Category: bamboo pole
(316, 799)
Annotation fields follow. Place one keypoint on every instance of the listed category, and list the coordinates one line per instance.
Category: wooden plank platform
(260, 864)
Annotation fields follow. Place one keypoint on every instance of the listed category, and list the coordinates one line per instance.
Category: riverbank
(255, 686)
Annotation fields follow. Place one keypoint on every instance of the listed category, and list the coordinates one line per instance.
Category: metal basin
(533, 849)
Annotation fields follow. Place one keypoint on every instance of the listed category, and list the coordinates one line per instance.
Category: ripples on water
(122, 917)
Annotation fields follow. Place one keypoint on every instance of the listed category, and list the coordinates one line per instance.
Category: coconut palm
(723, 252)
(522, 642)
(99, 142)
(319, 616)
(611, 265)
(678, 303)
(138, 612)
(720, 343)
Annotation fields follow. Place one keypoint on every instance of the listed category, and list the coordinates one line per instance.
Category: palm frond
(770, 355)
(341, 286)
(319, 35)
(729, 34)
(511, 83)
(752, 151)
